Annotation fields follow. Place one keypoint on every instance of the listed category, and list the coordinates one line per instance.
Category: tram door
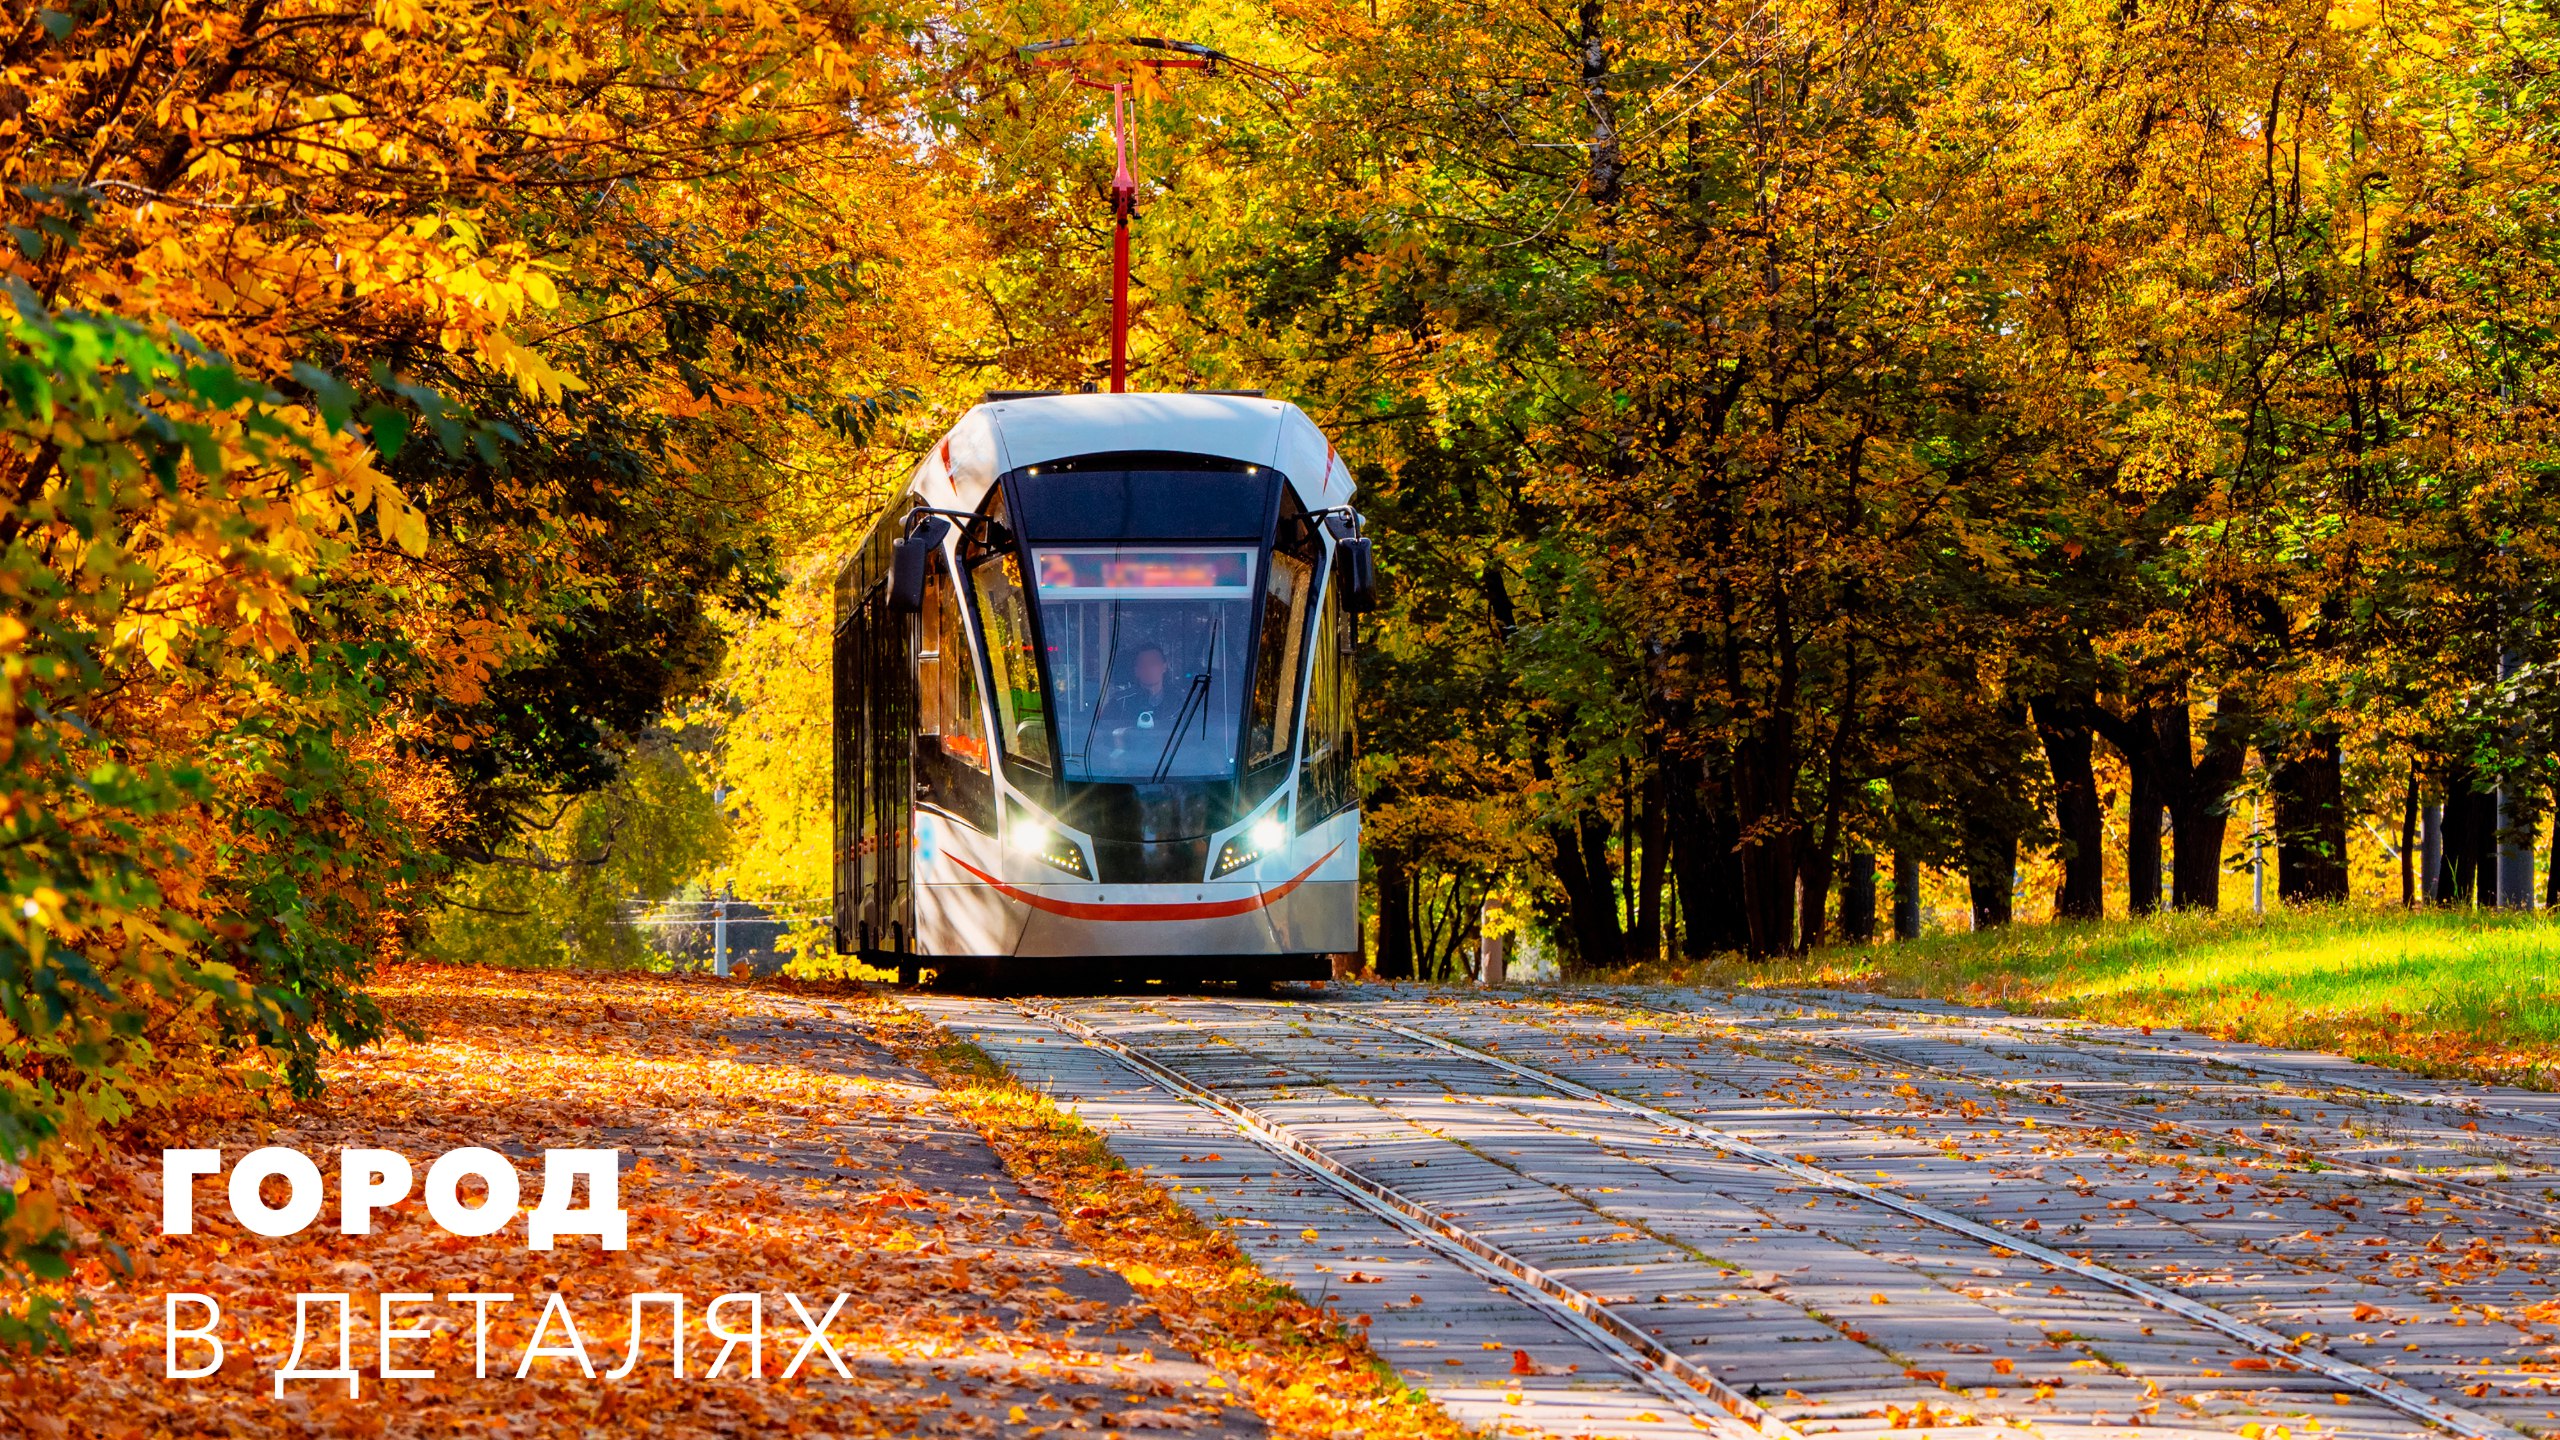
(879, 709)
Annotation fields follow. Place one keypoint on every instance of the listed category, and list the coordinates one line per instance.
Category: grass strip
(2460, 993)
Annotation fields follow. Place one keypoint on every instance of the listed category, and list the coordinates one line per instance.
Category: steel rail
(1582, 1314)
(2406, 1399)
(2441, 1189)
(2472, 1106)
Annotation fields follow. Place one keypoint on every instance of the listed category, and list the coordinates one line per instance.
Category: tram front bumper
(1200, 919)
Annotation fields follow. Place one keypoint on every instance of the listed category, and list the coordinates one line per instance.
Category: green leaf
(218, 385)
(389, 427)
(337, 403)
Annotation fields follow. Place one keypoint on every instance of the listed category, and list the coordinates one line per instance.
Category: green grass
(2440, 992)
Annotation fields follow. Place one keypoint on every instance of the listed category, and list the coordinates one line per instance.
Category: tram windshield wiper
(1193, 705)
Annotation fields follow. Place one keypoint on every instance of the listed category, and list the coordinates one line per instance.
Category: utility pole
(720, 934)
(1120, 62)
(1124, 203)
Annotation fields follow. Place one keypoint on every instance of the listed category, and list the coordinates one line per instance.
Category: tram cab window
(1004, 616)
(1146, 649)
(1326, 782)
(951, 748)
(1271, 725)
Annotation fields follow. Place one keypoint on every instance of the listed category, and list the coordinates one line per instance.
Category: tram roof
(1011, 432)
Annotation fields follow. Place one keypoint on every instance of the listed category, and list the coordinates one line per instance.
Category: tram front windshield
(1146, 648)
(1144, 615)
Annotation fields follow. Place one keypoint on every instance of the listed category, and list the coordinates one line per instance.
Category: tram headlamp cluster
(1265, 836)
(1037, 838)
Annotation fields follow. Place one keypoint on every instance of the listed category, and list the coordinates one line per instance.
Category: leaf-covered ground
(2456, 993)
(779, 1140)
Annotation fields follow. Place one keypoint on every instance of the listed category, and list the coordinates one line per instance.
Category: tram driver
(1137, 720)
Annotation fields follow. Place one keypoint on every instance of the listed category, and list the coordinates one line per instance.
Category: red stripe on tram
(1177, 910)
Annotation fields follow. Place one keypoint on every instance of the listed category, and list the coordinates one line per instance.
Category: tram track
(1701, 1253)
(1639, 1355)
(2053, 1095)
(1880, 1393)
(2323, 1279)
(2402, 1397)
(1202, 1070)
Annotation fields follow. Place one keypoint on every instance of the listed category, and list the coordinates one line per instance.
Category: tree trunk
(1821, 857)
(2142, 834)
(1395, 917)
(1600, 924)
(1763, 784)
(2198, 793)
(1652, 828)
(1606, 164)
(2157, 740)
(2311, 820)
(1991, 871)
(1590, 892)
(2448, 875)
(2470, 829)
(1769, 895)
(2409, 841)
(2551, 877)
(2063, 724)
(2484, 849)
(1704, 861)
(1813, 894)
(1906, 895)
(1858, 897)
(1626, 847)
(2431, 882)
(1581, 851)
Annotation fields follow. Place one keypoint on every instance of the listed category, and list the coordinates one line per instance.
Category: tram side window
(951, 742)
(1326, 784)
(848, 760)
(1004, 617)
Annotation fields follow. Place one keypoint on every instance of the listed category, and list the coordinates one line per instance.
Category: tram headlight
(1040, 839)
(1266, 836)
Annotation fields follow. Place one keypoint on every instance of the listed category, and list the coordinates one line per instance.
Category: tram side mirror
(1359, 574)
(908, 561)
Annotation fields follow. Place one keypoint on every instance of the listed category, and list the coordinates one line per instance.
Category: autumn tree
(402, 398)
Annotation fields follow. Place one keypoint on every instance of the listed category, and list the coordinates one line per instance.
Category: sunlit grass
(2439, 992)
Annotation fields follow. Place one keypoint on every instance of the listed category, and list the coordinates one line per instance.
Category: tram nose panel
(1142, 862)
(1150, 834)
(1251, 933)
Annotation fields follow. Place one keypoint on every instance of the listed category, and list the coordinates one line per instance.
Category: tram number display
(1213, 572)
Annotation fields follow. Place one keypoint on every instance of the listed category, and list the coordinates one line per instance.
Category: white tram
(1093, 697)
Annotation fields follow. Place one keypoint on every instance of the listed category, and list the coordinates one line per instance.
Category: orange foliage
(765, 1167)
